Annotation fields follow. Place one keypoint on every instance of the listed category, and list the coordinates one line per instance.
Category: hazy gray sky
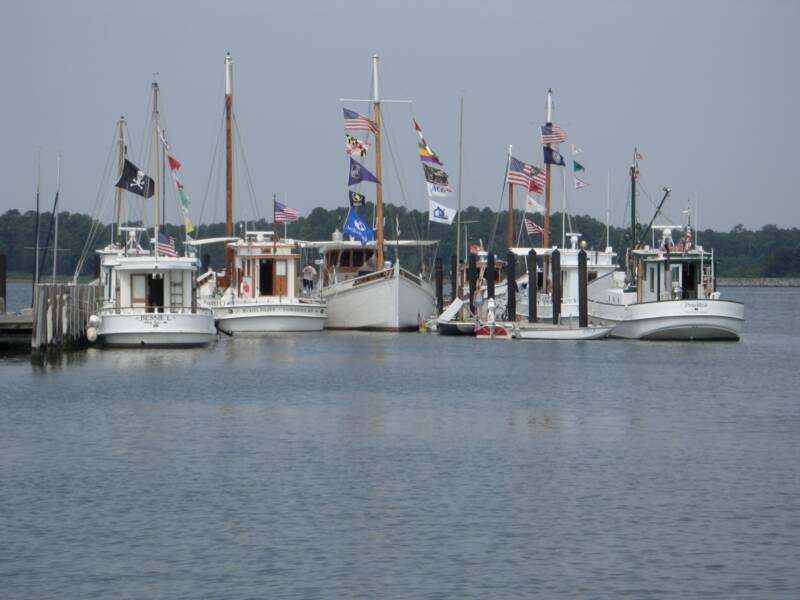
(708, 90)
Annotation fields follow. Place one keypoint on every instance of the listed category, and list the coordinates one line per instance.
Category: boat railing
(154, 310)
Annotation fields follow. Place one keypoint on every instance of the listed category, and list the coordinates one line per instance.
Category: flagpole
(548, 166)
(229, 168)
(116, 233)
(510, 206)
(379, 195)
(456, 288)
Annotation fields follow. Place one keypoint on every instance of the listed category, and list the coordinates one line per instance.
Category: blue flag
(358, 174)
(551, 157)
(358, 228)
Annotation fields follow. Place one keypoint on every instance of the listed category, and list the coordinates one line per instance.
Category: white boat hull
(389, 300)
(672, 319)
(156, 329)
(267, 318)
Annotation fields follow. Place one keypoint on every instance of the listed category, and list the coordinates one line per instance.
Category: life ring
(246, 288)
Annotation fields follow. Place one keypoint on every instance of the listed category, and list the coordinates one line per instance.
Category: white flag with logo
(439, 213)
(435, 189)
(532, 206)
(580, 184)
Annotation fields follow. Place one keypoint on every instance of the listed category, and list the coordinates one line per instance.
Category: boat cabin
(265, 266)
(673, 271)
(135, 280)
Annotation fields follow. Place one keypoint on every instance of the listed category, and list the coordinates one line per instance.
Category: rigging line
(137, 206)
(87, 246)
(213, 164)
(248, 177)
(398, 175)
(500, 204)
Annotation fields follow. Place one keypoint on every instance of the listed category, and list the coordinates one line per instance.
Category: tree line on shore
(768, 252)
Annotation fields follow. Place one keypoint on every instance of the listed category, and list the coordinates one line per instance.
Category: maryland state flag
(357, 200)
(135, 181)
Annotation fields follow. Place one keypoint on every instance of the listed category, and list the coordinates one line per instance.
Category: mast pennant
(425, 152)
(174, 165)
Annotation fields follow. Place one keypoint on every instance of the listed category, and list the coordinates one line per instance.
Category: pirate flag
(135, 181)
(357, 200)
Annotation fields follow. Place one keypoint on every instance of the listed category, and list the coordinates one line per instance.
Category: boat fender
(91, 334)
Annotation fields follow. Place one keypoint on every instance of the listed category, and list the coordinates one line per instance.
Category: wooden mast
(155, 169)
(120, 167)
(379, 195)
(228, 167)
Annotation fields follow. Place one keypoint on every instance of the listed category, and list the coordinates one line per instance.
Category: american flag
(284, 214)
(520, 173)
(532, 227)
(165, 245)
(553, 134)
(356, 122)
(538, 180)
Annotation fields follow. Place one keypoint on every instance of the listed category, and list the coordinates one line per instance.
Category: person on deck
(309, 274)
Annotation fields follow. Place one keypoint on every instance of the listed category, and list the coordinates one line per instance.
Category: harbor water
(344, 465)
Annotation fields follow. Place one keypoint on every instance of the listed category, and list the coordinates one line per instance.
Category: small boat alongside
(548, 331)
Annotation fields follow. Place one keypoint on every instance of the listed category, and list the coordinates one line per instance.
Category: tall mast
(460, 183)
(38, 181)
(228, 166)
(510, 206)
(546, 240)
(634, 173)
(376, 101)
(120, 166)
(55, 216)
(608, 207)
(156, 198)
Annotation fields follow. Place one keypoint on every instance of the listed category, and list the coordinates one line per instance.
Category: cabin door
(265, 277)
(280, 285)
(155, 293)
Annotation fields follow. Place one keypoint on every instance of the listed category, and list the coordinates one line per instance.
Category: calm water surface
(343, 465)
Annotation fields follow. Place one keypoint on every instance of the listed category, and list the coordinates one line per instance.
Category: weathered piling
(454, 277)
(61, 313)
(511, 283)
(439, 285)
(583, 311)
(532, 285)
(472, 276)
(490, 275)
(555, 267)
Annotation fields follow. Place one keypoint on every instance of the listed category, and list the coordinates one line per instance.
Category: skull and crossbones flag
(135, 181)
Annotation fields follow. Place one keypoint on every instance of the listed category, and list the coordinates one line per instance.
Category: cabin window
(592, 275)
(652, 279)
(138, 290)
(280, 268)
(676, 274)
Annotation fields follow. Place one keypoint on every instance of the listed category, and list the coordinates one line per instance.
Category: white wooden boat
(150, 294)
(258, 291)
(668, 292)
